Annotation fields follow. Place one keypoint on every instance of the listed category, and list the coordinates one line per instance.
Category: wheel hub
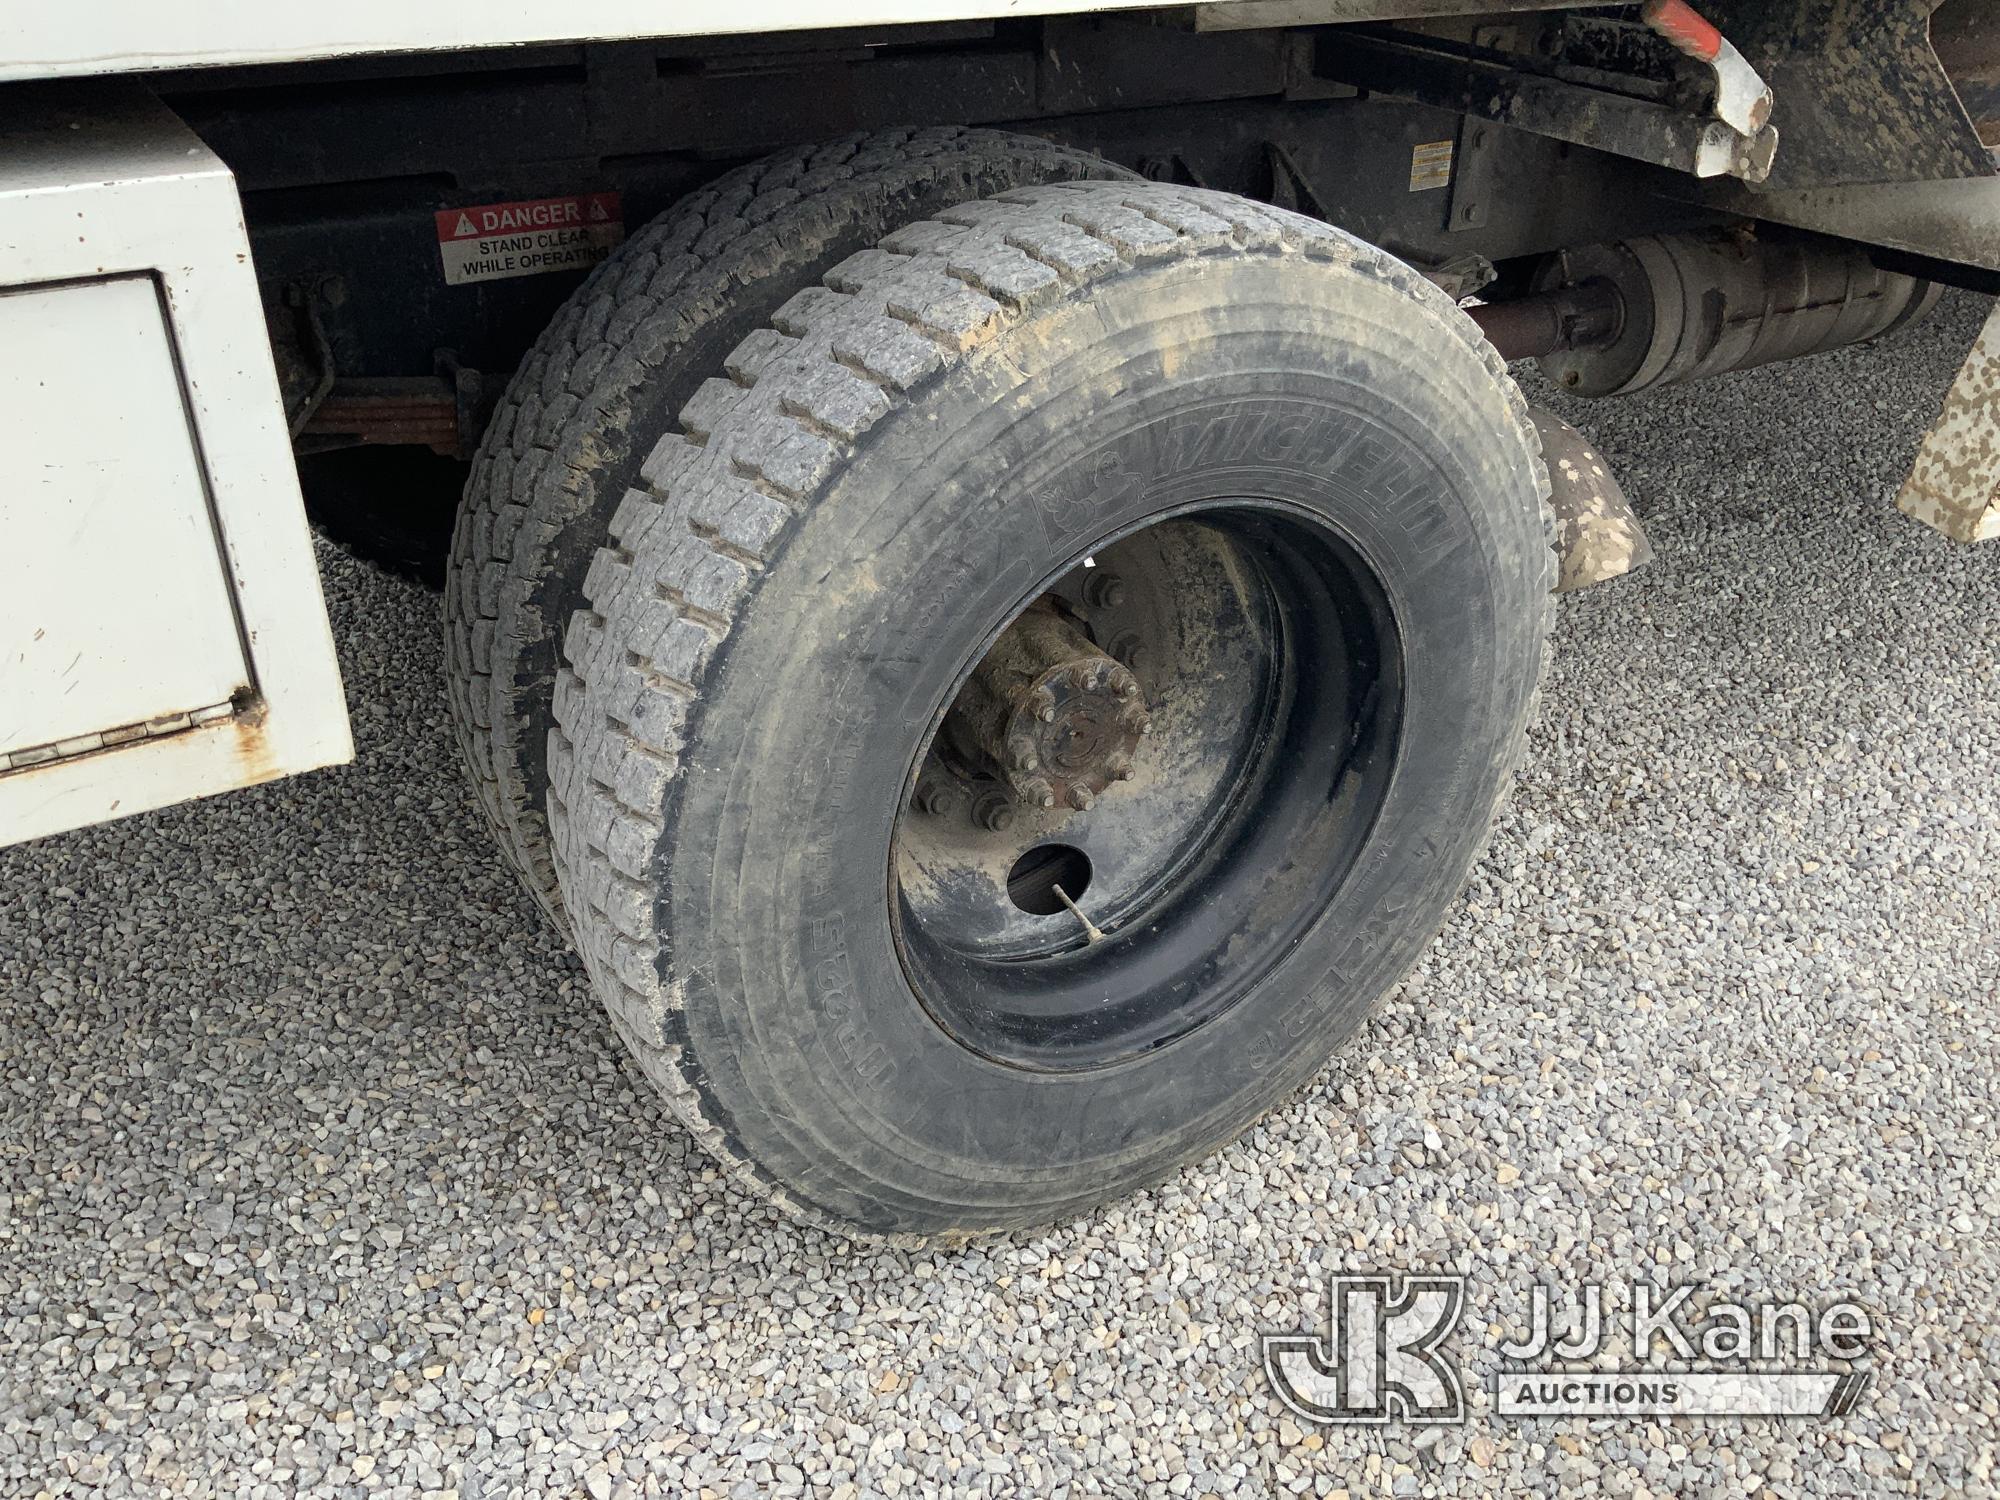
(1048, 714)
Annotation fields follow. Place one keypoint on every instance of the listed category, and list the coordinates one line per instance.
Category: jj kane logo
(1386, 1355)
(1381, 1358)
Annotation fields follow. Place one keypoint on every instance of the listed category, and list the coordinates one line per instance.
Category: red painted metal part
(1684, 26)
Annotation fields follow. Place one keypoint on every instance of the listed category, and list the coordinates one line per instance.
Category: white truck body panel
(162, 634)
(125, 36)
(104, 502)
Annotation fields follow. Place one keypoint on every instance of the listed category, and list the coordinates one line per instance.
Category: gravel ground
(321, 1171)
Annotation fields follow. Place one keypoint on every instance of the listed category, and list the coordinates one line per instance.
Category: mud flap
(1954, 485)
(1597, 535)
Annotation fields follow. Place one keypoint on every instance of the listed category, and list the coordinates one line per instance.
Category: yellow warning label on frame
(1430, 165)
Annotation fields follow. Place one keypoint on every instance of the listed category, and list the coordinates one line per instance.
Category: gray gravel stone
(321, 1173)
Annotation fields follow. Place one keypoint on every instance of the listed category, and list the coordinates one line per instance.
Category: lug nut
(1121, 768)
(1038, 793)
(931, 797)
(1102, 589)
(993, 812)
(1080, 798)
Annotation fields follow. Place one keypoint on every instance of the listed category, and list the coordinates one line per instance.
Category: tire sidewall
(1267, 376)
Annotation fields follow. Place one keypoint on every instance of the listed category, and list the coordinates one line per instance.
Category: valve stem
(1091, 930)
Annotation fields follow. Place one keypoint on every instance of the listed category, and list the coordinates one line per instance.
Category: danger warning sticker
(492, 241)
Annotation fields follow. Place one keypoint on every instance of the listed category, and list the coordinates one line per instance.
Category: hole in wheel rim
(1044, 875)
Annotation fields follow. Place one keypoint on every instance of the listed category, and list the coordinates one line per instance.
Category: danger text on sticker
(492, 241)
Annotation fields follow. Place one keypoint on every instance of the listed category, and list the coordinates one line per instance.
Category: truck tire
(605, 379)
(1248, 520)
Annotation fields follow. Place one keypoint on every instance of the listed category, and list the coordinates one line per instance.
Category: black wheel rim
(1069, 937)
